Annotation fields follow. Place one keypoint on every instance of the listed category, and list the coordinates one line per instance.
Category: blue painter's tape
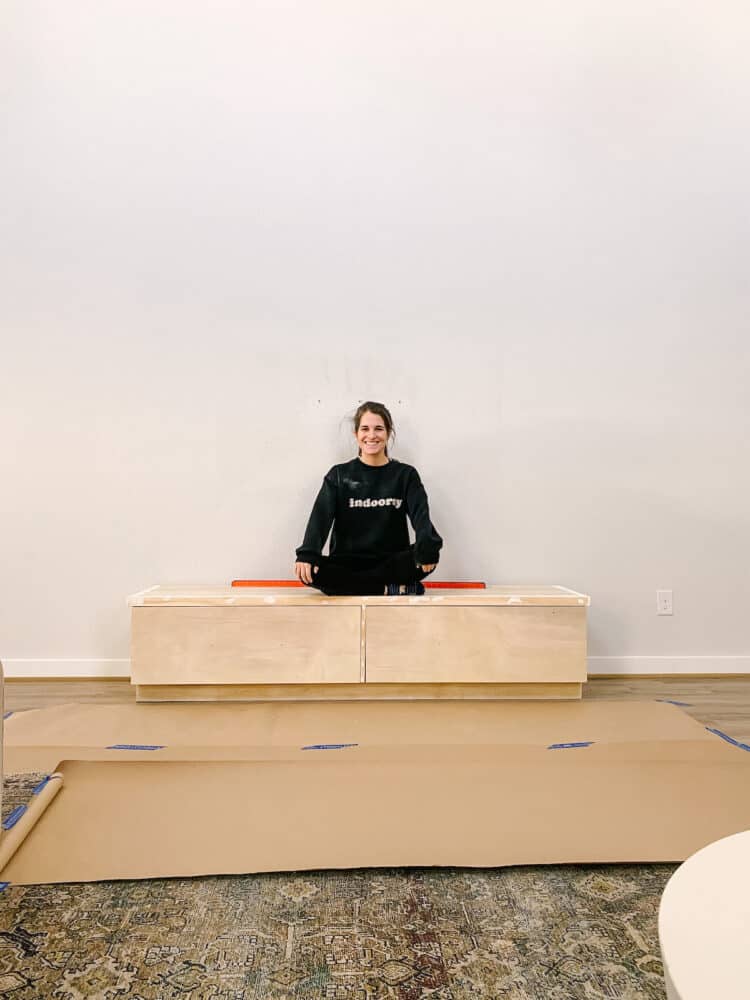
(11, 820)
(330, 746)
(42, 784)
(729, 739)
(7, 715)
(4, 886)
(132, 746)
(669, 701)
(566, 746)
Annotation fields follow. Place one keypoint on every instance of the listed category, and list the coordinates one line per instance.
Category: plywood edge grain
(207, 596)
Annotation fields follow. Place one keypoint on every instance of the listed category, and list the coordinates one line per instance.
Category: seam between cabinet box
(363, 645)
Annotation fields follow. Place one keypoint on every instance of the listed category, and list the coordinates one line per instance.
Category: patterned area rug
(541, 933)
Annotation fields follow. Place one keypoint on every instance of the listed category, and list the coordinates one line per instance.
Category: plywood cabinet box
(224, 643)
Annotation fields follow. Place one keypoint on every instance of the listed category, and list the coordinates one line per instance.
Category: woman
(367, 501)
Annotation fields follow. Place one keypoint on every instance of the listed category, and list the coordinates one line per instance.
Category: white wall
(523, 225)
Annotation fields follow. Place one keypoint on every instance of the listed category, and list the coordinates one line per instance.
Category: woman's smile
(372, 439)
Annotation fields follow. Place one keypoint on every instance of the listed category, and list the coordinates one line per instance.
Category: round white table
(704, 923)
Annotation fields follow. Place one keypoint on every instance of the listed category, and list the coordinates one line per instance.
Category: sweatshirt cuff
(305, 555)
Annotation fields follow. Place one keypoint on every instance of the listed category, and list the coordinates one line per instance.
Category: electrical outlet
(664, 602)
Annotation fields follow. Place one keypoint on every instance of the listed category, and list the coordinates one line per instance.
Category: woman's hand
(304, 571)
(428, 568)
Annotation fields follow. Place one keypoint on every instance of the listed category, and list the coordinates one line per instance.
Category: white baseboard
(625, 665)
(597, 665)
(66, 668)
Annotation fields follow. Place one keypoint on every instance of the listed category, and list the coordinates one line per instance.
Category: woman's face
(372, 437)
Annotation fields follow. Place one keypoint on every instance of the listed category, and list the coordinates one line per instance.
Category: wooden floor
(723, 702)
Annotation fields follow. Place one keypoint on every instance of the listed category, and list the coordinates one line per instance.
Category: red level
(441, 584)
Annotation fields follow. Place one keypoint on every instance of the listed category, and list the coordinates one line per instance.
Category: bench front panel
(246, 645)
(474, 644)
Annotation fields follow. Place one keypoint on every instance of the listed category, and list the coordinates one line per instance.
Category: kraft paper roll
(2, 736)
(12, 839)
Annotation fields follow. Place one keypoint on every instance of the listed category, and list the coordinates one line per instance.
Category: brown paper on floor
(38, 739)
(463, 784)
(142, 819)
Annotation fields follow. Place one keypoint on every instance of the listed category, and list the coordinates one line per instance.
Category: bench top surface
(181, 595)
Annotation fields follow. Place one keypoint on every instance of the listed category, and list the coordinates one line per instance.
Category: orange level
(444, 584)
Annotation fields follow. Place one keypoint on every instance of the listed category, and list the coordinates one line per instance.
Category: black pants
(342, 575)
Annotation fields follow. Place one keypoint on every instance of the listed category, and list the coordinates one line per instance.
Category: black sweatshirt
(367, 506)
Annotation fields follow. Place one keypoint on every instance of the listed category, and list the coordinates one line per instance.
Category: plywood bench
(224, 643)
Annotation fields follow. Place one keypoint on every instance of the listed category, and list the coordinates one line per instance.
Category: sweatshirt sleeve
(428, 541)
(321, 519)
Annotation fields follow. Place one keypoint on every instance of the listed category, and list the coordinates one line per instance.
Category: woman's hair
(379, 410)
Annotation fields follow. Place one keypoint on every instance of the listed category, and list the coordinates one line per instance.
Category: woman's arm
(321, 520)
(428, 541)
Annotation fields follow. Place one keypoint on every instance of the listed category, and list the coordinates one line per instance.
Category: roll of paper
(12, 839)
